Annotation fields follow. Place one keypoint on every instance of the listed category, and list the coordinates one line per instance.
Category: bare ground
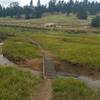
(33, 64)
(45, 91)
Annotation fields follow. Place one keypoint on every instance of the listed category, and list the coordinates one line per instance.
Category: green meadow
(80, 47)
(72, 89)
(17, 84)
(76, 48)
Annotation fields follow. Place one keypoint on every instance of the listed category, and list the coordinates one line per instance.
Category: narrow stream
(3, 60)
(90, 82)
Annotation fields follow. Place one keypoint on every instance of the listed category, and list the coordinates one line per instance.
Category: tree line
(81, 8)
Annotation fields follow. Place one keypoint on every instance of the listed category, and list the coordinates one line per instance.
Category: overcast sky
(24, 2)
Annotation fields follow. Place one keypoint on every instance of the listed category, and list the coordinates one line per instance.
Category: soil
(45, 91)
(34, 64)
(75, 69)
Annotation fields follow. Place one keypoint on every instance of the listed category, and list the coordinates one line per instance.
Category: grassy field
(58, 21)
(54, 18)
(72, 89)
(18, 49)
(82, 49)
(17, 84)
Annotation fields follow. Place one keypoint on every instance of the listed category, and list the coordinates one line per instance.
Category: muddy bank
(90, 76)
(33, 64)
(64, 67)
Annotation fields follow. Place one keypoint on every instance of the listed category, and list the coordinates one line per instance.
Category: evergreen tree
(31, 3)
(82, 14)
(38, 10)
(52, 6)
(1, 11)
(70, 6)
(82, 9)
(15, 9)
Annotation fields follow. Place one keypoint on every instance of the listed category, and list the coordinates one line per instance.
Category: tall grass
(17, 84)
(72, 89)
(80, 49)
(19, 49)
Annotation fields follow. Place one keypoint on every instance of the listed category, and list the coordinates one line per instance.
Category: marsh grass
(17, 49)
(82, 49)
(17, 84)
(72, 89)
(78, 49)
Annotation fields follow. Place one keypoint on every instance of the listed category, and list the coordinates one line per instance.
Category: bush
(82, 15)
(96, 21)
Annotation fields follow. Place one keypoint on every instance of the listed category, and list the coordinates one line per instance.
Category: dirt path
(45, 91)
(48, 62)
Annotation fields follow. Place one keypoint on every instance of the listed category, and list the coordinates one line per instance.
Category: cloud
(26, 2)
(7, 2)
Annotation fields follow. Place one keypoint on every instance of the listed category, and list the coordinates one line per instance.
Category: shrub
(96, 21)
(82, 15)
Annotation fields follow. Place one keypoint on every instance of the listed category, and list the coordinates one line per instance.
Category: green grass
(76, 48)
(56, 18)
(19, 49)
(17, 84)
(63, 22)
(0, 49)
(72, 89)
(80, 49)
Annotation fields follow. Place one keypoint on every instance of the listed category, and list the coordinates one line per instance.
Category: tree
(61, 6)
(96, 21)
(31, 9)
(85, 2)
(1, 11)
(38, 10)
(31, 3)
(14, 9)
(52, 6)
(82, 11)
(27, 12)
(82, 15)
(70, 5)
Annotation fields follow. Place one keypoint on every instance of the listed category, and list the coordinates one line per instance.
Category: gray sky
(24, 2)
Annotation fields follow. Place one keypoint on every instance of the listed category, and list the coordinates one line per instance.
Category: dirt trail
(45, 91)
(48, 62)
